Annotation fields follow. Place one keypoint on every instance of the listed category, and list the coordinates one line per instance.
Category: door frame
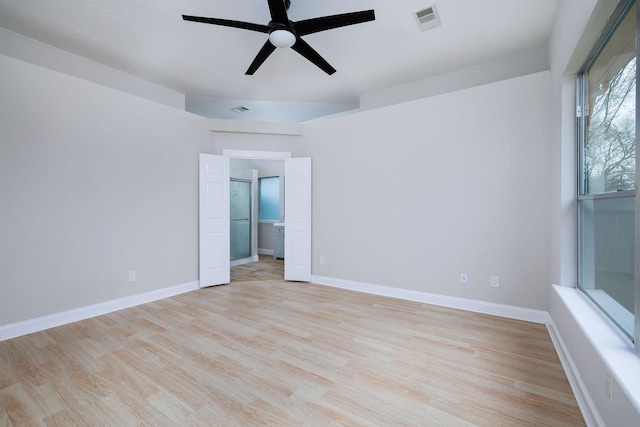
(256, 155)
(271, 155)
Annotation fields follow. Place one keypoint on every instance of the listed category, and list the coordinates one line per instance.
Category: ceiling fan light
(282, 38)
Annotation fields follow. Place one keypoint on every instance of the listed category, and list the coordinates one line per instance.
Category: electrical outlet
(132, 276)
(495, 281)
(464, 278)
(321, 260)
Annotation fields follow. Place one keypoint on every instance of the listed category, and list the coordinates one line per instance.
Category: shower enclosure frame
(250, 175)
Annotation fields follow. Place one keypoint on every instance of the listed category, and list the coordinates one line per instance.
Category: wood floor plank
(269, 352)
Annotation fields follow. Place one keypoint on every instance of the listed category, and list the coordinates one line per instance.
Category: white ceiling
(149, 39)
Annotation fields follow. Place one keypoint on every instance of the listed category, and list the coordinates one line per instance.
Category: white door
(297, 211)
(214, 220)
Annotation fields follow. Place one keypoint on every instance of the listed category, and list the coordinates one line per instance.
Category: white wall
(411, 195)
(503, 69)
(94, 183)
(35, 52)
(252, 141)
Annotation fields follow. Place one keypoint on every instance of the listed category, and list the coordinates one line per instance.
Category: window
(269, 199)
(607, 172)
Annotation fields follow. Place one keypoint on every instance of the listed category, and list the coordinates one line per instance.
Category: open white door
(214, 220)
(297, 230)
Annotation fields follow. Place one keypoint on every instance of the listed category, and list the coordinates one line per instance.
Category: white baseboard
(265, 251)
(242, 261)
(501, 310)
(586, 405)
(41, 323)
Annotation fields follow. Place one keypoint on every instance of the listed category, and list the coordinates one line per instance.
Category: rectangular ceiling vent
(240, 109)
(427, 17)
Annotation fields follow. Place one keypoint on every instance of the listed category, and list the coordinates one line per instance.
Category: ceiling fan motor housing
(274, 26)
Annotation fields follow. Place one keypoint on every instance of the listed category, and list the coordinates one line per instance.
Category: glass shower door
(240, 207)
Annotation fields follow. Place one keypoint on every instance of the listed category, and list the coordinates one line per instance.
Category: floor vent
(427, 17)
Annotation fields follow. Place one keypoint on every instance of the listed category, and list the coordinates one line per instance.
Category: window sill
(613, 307)
(614, 349)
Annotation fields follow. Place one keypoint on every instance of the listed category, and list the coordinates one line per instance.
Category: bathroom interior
(256, 194)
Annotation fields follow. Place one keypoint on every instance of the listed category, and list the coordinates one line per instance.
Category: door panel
(214, 220)
(297, 231)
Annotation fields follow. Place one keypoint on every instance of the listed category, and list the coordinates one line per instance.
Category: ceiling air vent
(240, 109)
(427, 17)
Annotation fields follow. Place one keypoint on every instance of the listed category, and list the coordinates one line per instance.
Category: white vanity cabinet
(278, 240)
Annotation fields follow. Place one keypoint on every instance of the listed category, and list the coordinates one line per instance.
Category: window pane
(270, 199)
(609, 148)
(606, 256)
(607, 163)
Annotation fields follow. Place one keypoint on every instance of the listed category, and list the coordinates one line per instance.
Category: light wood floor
(267, 268)
(276, 353)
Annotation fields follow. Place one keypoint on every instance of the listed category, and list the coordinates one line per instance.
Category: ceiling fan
(284, 33)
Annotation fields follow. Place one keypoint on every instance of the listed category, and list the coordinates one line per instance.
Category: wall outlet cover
(495, 281)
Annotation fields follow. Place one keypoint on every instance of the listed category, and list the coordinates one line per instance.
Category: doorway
(214, 215)
(268, 201)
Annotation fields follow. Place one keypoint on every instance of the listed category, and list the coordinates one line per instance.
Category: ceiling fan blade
(228, 23)
(278, 10)
(308, 52)
(264, 53)
(314, 25)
